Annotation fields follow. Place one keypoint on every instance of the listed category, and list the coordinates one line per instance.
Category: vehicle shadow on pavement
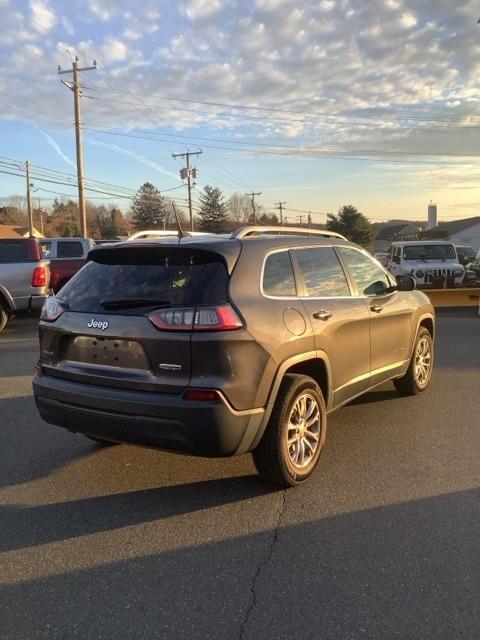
(29, 448)
(407, 570)
(379, 395)
(60, 521)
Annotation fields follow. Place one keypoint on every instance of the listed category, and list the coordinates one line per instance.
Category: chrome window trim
(309, 246)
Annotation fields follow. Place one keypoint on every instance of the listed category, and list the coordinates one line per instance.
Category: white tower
(432, 215)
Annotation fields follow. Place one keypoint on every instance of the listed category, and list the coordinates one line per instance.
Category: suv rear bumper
(159, 420)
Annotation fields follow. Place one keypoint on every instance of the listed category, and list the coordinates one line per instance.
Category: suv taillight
(39, 277)
(214, 318)
(51, 310)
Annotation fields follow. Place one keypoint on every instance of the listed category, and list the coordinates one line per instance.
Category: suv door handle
(376, 308)
(322, 315)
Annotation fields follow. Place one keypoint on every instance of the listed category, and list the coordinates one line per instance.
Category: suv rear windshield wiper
(131, 303)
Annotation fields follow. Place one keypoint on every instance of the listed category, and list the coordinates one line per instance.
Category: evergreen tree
(213, 216)
(149, 208)
(352, 224)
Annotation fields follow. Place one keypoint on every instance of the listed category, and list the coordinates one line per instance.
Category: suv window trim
(303, 287)
(352, 279)
(299, 283)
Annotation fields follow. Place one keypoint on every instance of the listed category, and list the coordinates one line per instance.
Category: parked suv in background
(220, 346)
(24, 277)
(432, 263)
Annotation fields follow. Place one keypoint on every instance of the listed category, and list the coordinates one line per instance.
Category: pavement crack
(261, 567)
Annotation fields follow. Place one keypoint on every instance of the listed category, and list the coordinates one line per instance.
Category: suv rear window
(14, 251)
(168, 280)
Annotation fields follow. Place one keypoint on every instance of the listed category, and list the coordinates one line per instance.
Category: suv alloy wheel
(419, 371)
(293, 440)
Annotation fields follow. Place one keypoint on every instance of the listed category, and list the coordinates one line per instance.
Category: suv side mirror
(406, 283)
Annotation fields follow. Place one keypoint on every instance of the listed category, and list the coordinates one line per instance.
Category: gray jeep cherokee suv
(219, 346)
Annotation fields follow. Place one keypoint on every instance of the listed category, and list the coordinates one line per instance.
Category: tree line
(150, 209)
(216, 214)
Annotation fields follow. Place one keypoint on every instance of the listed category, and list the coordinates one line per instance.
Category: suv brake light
(39, 277)
(215, 318)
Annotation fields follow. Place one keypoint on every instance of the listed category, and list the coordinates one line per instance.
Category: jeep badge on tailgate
(97, 324)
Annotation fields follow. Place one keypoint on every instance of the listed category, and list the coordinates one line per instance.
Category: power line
(317, 114)
(305, 153)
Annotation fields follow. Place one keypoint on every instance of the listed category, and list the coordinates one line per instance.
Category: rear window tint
(278, 279)
(14, 251)
(69, 249)
(176, 281)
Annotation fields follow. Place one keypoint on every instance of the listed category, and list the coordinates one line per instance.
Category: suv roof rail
(244, 232)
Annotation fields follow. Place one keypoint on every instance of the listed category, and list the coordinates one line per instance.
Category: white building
(460, 232)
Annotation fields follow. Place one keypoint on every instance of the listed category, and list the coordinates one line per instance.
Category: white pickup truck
(24, 277)
(433, 263)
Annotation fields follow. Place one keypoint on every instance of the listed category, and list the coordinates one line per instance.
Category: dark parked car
(217, 346)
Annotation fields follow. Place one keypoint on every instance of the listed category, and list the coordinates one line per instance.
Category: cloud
(68, 26)
(202, 8)
(408, 20)
(384, 75)
(114, 50)
(42, 14)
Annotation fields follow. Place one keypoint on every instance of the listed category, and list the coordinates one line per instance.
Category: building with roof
(394, 233)
(460, 232)
(14, 231)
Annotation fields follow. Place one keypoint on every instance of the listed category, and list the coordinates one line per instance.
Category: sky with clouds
(318, 103)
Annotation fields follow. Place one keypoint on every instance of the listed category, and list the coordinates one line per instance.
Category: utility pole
(252, 195)
(301, 220)
(188, 173)
(309, 219)
(29, 200)
(77, 94)
(280, 208)
(40, 213)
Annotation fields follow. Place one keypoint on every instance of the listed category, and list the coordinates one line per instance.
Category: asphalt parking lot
(124, 542)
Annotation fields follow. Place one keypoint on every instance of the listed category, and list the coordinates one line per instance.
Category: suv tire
(293, 440)
(3, 319)
(419, 370)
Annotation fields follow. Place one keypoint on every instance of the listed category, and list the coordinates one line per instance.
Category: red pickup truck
(67, 256)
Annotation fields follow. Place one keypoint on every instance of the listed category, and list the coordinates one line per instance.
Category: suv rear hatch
(126, 318)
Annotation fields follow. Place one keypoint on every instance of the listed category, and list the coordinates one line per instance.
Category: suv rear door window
(69, 249)
(158, 278)
(278, 278)
(368, 276)
(322, 272)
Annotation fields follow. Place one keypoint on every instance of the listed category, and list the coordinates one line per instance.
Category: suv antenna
(181, 233)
